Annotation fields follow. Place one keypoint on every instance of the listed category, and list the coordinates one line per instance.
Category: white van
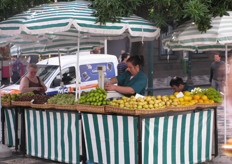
(49, 72)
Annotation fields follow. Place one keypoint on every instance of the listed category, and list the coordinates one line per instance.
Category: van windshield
(45, 71)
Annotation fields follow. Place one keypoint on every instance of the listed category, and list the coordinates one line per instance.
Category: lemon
(187, 93)
(172, 96)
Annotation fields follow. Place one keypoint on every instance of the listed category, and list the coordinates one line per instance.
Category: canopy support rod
(105, 46)
(77, 70)
(225, 91)
(61, 78)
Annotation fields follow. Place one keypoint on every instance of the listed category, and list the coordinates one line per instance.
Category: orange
(204, 97)
(206, 101)
(196, 97)
(175, 93)
(211, 101)
(200, 101)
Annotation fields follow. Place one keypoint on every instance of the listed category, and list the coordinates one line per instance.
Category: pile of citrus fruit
(176, 100)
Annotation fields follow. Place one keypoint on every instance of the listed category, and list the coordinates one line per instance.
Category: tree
(163, 13)
(9, 8)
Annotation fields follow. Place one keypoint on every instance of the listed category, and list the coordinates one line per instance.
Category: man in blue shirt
(132, 81)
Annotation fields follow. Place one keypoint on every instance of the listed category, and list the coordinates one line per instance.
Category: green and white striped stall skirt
(110, 139)
(10, 126)
(180, 139)
(52, 135)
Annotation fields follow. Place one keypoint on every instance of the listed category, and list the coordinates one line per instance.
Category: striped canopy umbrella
(59, 17)
(61, 46)
(62, 17)
(186, 37)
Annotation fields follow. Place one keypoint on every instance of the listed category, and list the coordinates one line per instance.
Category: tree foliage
(163, 12)
(9, 8)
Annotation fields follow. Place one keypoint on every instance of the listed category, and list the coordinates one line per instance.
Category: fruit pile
(41, 99)
(147, 102)
(209, 95)
(62, 99)
(94, 97)
(14, 97)
(176, 100)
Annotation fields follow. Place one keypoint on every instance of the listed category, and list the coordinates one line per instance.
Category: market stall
(165, 137)
(171, 137)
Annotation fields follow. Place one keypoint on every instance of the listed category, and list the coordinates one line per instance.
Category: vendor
(31, 82)
(178, 85)
(132, 81)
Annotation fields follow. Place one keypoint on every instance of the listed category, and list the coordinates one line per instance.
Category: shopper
(17, 66)
(122, 66)
(217, 73)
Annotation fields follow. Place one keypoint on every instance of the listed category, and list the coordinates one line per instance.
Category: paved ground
(161, 86)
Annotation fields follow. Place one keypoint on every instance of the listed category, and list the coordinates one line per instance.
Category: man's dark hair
(217, 53)
(124, 55)
(176, 81)
(136, 60)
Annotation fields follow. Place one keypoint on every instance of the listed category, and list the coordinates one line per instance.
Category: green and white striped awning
(188, 37)
(62, 46)
(61, 16)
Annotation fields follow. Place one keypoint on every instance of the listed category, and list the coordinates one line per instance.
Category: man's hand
(110, 87)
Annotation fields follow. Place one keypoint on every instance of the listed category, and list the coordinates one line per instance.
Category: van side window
(88, 72)
(69, 75)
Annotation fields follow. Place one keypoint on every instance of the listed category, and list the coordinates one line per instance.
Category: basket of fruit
(207, 105)
(6, 104)
(62, 101)
(90, 108)
(23, 99)
(113, 109)
(40, 101)
(93, 101)
(21, 103)
(6, 99)
(65, 107)
(182, 108)
(43, 106)
(150, 111)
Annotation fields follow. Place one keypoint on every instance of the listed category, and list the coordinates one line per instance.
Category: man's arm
(120, 89)
(113, 80)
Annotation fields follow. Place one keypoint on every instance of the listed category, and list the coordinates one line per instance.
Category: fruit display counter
(161, 129)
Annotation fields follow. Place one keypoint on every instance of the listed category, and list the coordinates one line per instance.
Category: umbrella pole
(105, 46)
(77, 70)
(225, 91)
(61, 82)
